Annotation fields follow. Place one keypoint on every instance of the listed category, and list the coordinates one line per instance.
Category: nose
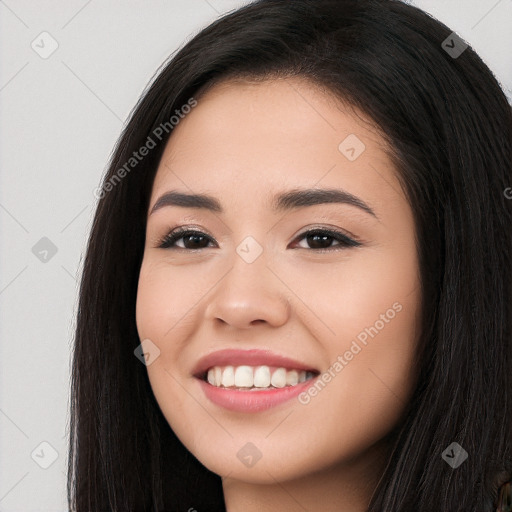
(249, 294)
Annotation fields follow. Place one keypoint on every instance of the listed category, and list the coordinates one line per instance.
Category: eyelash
(345, 242)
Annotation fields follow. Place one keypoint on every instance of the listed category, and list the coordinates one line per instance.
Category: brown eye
(191, 239)
(321, 239)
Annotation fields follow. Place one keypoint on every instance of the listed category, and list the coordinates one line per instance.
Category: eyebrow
(285, 201)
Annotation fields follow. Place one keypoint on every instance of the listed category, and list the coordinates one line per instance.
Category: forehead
(244, 139)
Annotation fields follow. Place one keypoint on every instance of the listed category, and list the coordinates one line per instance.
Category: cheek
(378, 329)
(165, 298)
(348, 294)
(168, 307)
(162, 300)
(369, 380)
(367, 318)
(159, 308)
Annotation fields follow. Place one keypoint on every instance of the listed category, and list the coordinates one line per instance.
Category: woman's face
(253, 298)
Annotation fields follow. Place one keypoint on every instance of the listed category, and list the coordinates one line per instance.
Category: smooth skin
(304, 298)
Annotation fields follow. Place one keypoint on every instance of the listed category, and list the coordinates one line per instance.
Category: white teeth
(228, 377)
(278, 379)
(217, 375)
(255, 377)
(292, 378)
(262, 377)
(243, 377)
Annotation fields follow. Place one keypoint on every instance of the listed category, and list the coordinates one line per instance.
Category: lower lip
(252, 401)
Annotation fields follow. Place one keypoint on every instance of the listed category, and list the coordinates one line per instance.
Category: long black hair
(448, 125)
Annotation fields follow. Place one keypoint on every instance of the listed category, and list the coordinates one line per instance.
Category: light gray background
(60, 119)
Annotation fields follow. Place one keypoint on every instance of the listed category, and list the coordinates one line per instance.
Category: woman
(297, 288)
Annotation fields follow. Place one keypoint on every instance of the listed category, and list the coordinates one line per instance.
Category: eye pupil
(195, 237)
(318, 241)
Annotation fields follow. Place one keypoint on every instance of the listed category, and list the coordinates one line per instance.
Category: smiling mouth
(255, 378)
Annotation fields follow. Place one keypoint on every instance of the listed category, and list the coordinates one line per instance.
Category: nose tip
(248, 297)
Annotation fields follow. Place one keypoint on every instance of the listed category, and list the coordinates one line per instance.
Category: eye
(194, 239)
(319, 240)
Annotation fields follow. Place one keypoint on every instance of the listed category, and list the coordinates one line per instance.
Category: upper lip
(253, 357)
